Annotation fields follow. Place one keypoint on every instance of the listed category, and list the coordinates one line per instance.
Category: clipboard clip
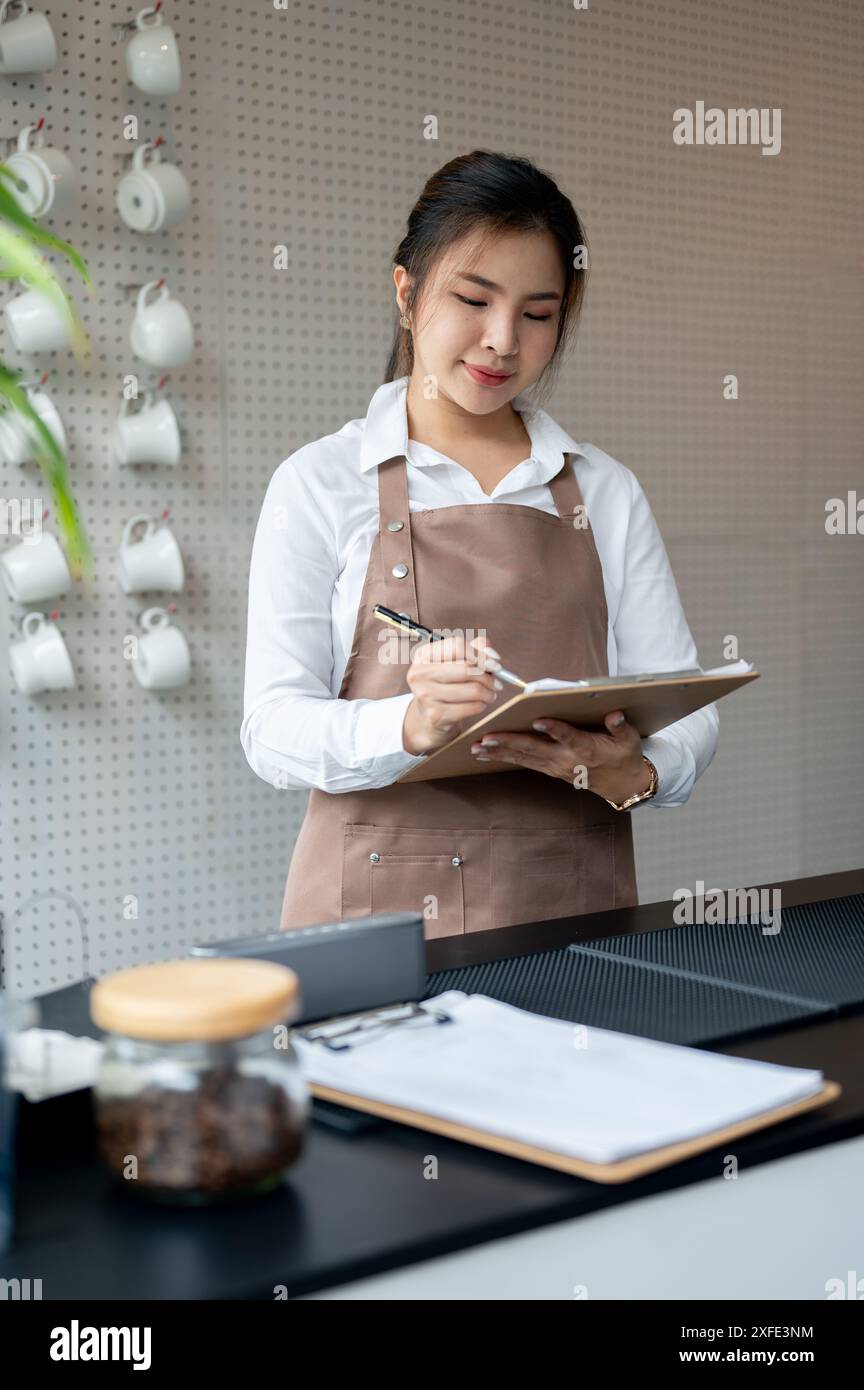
(353, 1030)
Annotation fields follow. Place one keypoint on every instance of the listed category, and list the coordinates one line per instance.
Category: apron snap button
(456, 860)
(399, 571)
(374, 858)
(395, 525)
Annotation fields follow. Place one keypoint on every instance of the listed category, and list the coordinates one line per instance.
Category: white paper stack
(729, 668)
(589, 1093)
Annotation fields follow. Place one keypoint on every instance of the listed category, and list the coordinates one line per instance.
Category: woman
(460, 502)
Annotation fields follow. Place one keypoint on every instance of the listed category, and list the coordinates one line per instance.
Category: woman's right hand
(450, 682)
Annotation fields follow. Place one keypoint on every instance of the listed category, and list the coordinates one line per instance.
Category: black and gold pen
(401, 620)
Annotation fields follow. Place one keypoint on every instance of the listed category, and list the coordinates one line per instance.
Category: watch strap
(637, 796)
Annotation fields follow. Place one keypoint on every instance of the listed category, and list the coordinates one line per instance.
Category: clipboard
(625, 1170)
(355, 1030)
(650, 705)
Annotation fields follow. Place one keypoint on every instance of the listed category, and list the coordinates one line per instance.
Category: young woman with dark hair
(459, 501)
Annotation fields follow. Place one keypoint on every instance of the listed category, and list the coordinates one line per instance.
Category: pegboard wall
(134, 813)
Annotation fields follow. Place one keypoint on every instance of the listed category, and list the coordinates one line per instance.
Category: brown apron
(491, 850)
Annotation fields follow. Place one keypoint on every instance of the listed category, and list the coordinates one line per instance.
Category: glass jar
(199, 1095)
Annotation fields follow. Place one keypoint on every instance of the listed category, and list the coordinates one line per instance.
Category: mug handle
(142, 293)
(24, 138)
(132, 523)
(5, 6)
(154, 617)
(28, 618)
(139, 158)
(140, 22)
(149, 397)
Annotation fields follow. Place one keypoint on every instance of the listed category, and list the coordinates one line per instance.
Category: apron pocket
(387, 869)
(539, 875)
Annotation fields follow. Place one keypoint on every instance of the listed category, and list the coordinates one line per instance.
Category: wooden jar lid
(195, 1000)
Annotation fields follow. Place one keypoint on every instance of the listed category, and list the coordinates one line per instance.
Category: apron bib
(500, 848)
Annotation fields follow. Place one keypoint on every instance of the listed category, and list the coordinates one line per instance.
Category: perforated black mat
(694, 984)
(817, 955)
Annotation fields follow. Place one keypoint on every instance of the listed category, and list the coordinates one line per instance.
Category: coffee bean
(234, 1133)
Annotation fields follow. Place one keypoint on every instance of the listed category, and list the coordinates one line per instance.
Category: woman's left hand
(613, 761)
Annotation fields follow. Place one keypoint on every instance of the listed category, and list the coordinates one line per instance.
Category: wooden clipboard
(649, 706)
(625, 1170)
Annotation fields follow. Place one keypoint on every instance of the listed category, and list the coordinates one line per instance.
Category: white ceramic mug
(148, 435)
(152, 195)
(40, 660)
(163, 659)
(34, 569)
(38, 322)
(27, 44)
(18, 437)
(153, 561)
(44, 176)
(161, 332)
(152, 56)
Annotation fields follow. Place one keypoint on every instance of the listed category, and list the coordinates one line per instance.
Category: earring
(405, 321)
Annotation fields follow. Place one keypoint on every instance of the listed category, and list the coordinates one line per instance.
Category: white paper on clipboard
(586, 1092)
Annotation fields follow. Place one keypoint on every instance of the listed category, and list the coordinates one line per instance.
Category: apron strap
(395, 545)
(564, 487)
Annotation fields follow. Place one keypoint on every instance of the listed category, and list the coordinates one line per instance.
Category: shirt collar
(385, 430)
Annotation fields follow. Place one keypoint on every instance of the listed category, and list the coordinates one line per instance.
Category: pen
(401, 620)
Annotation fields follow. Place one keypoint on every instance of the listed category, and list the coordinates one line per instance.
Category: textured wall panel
(304, 126)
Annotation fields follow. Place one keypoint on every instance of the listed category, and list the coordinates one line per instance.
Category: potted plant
(20, 241)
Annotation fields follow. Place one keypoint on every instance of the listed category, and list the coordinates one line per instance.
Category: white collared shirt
(310, 553)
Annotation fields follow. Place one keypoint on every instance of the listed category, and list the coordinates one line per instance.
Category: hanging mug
(27, 43)
(161, 332)
(44, 176)
(152, 56)
(163, 661)
(18, 439)
(34, 569)
(153, 561)
(152, 195)
(149, 434)
(39, 322)
(40, 660)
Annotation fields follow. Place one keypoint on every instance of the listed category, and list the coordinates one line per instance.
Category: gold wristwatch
(637, 796)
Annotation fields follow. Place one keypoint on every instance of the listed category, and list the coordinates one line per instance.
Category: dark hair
(492, 193)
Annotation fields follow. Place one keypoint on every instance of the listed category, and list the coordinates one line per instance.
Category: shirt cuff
(378, 745)
(668, 766)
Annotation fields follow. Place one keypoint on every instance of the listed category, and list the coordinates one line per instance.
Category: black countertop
(358, 1204)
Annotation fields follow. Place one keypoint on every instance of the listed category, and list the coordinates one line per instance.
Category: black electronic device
(343, 967)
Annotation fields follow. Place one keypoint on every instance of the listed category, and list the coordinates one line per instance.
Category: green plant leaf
(52, 462)
(21, 259)
(11, 211)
